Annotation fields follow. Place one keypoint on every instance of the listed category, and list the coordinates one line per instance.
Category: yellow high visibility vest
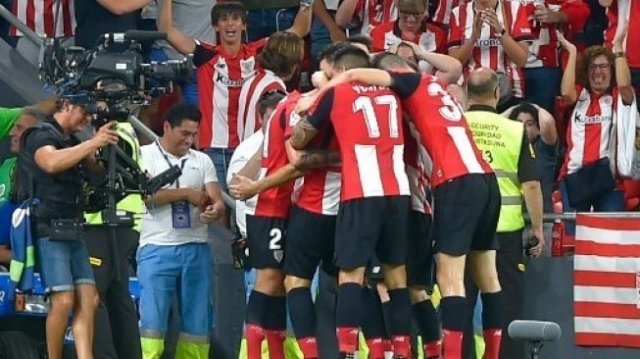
(132, 203)
(500, 140)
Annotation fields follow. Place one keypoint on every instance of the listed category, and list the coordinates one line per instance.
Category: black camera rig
(106, 81)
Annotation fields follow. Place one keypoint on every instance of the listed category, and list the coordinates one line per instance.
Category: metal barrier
(13, 20)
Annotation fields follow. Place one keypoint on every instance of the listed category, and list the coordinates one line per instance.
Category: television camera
(107, 81)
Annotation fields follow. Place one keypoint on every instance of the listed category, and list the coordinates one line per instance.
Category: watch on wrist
(618, 54)
(501, 33)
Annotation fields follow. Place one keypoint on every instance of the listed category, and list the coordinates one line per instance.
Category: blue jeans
(612, 201)
(320, 38)
(63, 264)
(221, 158)
(263, 23)
(183, 270)
(542, 85)
(189, 89)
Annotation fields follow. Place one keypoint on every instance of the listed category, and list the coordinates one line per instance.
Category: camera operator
(52, 161)
(116, 321)
(507, 149)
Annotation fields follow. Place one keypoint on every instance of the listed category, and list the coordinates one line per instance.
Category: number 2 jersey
(367, 123)
(274, 202)
(443, 130)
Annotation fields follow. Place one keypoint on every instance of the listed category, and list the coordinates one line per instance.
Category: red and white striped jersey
(253, 88)
(443, 129)
(387, 35)
(368, 124)
(488, 51)
(622, 9)
(220, 78)
(591, 129)
(545, 50)
(53, 18)
(319, 190)
(373, 13)
(442, 16)
(274, 202)
(418, 167)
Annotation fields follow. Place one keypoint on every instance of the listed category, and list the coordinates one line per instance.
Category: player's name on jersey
(360, 89)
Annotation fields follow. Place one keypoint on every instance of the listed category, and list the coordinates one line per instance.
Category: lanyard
(183, 162)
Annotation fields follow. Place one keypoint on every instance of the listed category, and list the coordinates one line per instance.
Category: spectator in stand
(14, 123)
(222, 70)
(278, 63)
(622, 9)
(264, 18)
(45, 18)
(324, 29)
(442, 15)
(189, 17)
(492, 34)
(541, 131)
(543, 72)
(366, 14)
(412, 26)
(97, 17)
(586, 175)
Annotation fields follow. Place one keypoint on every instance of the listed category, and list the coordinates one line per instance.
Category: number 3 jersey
(443, 130)
(367, 122)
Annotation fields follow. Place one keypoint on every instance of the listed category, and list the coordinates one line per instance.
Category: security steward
(53, 162)
(506, 148)
(116, 322)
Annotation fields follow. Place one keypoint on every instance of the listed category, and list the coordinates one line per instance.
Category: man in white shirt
(174, 257)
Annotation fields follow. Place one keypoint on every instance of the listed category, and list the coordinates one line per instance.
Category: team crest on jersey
(607, 100)
(278, 254)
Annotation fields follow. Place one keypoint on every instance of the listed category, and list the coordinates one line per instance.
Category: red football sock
(401, 346)
(275, 340)
(376, 348)
(309, 347)
(254, 335)
(452, 344)
(492, 339)
(433, 350)
(347, 339)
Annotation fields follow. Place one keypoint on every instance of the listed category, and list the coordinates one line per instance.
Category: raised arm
(320, 11)
(548, 131)
(183, 43)
(53, 160)
(623, 73)
(449, 68)
(121, 7)
(302, 23)
(345, 12)
(568, 85)
(517, 51)
(464, 50)
(605, 3)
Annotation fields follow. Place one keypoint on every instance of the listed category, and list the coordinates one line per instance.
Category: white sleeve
(209, 170)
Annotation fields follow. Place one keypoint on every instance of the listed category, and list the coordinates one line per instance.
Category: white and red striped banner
(607, 281)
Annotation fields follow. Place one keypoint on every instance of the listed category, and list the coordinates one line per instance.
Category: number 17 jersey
(367, 123)
(443, 130)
